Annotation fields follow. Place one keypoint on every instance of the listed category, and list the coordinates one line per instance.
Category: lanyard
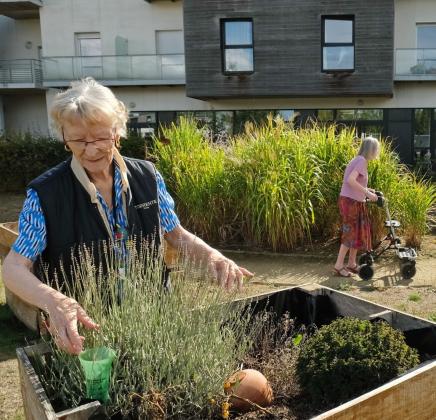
(120, 236)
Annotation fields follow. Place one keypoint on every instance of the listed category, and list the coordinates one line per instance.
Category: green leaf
(297, 339)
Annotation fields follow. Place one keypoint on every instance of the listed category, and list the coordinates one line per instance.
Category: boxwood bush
(349, 357)
(24, 156)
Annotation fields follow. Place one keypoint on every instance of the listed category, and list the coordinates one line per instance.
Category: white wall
(26, 112)
(136, 20)
(407, 14)
(15, 33)
(407, 95)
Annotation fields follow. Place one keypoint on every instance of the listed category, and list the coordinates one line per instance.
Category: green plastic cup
(97, 365)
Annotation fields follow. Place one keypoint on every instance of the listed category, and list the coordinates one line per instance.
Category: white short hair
(92, 102)
(369, 147)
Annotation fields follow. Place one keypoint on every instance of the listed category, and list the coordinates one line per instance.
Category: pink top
(359, 164)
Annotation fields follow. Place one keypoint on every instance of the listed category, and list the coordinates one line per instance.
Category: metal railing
(130, 69)
(21, 71)
(415, 64)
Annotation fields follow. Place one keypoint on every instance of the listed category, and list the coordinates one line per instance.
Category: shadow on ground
(13, 334)
(296, 270)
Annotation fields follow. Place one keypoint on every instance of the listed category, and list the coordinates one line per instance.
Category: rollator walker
(407, 256)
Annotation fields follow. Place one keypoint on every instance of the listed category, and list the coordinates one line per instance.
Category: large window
(88, 47)
(360, 114)
(337, 43)
(426, 44)
(367, 122)
(422, 125)
(237, 46)
(325, 115)
(223, 125)
(143, 123)
(426, 35)
(170, 48)
(169, 42)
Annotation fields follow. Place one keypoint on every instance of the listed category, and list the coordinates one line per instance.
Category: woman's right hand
(371, 196)
(64, 315)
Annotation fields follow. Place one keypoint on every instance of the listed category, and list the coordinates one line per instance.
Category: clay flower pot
(248, 385)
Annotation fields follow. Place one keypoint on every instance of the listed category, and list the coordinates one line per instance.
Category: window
(223, 125)
(287, 115)
(426, 34)
(169, 42)
(426, 44)
(170, 48)
(360, 114)
(143, 123)
(422, 131)
(242, 117)
(88, 44)
(337, 43)
(88, 48)
(237, 46)
(325, 115)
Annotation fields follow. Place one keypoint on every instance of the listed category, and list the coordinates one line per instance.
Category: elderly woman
(96, 195)
(356, 229)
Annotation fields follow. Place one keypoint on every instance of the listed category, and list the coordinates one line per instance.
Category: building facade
(371, 64)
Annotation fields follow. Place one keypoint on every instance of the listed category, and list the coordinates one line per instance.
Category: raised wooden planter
(27, 314)
(8, 235)
(411, 396)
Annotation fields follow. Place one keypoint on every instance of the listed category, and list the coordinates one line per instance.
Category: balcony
(415, 64)
(116, 70)
(20, 74)
(20, 9)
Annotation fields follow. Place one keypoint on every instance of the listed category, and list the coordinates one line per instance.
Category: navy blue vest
(72, 220)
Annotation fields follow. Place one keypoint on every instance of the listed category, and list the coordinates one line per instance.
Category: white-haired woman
(356, 228)
(96, 195)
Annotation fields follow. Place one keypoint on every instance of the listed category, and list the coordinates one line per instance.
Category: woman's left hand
(226, 271)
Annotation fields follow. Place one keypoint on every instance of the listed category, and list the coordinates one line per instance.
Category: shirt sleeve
(168, 218)
(361, 166)
(32, 237)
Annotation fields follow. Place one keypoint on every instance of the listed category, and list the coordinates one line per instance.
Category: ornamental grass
(275, 186)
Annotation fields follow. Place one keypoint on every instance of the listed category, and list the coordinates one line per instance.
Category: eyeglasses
(103, 143)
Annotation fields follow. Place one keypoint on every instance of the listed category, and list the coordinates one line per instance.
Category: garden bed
(408, 396)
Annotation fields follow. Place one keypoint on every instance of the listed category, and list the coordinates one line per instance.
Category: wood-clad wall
(287, 48)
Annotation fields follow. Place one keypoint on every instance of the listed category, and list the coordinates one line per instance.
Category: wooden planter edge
(404, 397)
(37, 405)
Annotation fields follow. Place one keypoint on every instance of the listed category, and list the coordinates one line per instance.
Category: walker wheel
(366, 259)
(366, 272)
(408, 270)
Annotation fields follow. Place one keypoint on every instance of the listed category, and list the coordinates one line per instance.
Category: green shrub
(134, 146)
(23, 157)
(349, 357)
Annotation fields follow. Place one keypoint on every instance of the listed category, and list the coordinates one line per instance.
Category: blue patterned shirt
(32, 238)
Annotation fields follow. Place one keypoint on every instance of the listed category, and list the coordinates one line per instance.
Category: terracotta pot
(251, 385)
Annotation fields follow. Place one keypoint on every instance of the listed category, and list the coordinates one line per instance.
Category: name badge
(145, 206)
